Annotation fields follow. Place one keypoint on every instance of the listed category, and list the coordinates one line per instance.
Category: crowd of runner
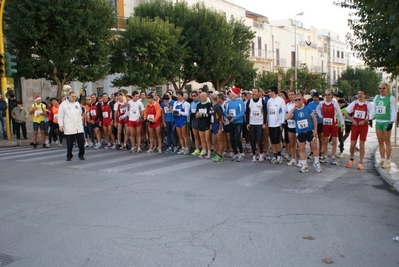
(216, 125)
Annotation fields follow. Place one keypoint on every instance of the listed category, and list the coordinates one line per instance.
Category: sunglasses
(382, 88)
(298, 99)
(327, 94)
(194, 95)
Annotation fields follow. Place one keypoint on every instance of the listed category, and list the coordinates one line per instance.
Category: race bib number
(123, 110)
(272, 111)
(302, 124)
(150, 117)
(380, 109)
(291, 123)
(327, 121)
(193, 110)
(232, 112)
(105, 115)
(93, 112)
(134, 111)
(38, 113)
(212, 119)
(202, 111)
(166, 109)
(255, 113)
(359, 114)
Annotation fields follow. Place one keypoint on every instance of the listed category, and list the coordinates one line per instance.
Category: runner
(181, 109)
(135, 109)
(95, 121)
(328, 110)
(256, 117)
(194, 122)
(119, 111)
(306, 128)
(217, 127)
(152, 114)
(169, 123)
(54, 125)
(275, 121)
(313, 105)
(38, 110)
(361, 111)
(385, 115)
(291, 129)
(203, 115)
(107, 121)
(235, 111)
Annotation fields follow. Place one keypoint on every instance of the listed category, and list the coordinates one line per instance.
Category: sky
(317, 13)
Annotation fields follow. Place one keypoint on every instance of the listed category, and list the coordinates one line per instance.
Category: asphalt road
(122, 209)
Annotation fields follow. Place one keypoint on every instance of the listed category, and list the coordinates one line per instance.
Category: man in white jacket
(70, 121)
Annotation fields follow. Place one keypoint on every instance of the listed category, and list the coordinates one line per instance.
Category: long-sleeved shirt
(70, 117)
(19, 114)
(276, 111)
(236, 110)
(337, 110)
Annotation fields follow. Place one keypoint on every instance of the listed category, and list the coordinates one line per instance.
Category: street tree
(145, 52)
(365, 79)
(60, 40)
(375, 32)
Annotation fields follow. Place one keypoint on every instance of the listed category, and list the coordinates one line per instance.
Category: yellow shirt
(39, 109)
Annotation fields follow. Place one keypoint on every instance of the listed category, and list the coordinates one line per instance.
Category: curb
(11, 143)
(391, 175)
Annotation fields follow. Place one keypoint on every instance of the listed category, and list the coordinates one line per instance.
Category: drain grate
(6, 259)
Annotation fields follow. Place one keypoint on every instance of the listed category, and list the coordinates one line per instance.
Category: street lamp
(296, 56)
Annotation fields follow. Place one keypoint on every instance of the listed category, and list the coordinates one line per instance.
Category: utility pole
(3, 74)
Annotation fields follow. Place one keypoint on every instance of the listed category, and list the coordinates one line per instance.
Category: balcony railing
(261, 53)
(280, 62)
(311, 44)
(120, 23)
(339, 60)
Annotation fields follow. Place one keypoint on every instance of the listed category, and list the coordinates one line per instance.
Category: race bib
(38, 113)
(202, 111)
(328, 121)
(232, 112)
(150, 117)
(255, 113)
(193, 110)
(93, 112)
(123, 110)
(272, 111)
(380, 109)
(55, 116)
(166, 109)
(291, 123)
(360, 114)
(212, 119)
(302, 124)
(105, 114)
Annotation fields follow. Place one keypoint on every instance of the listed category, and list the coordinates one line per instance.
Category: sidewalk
(391, 175)
(14, 142)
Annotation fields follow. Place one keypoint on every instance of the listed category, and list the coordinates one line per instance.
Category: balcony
(261, 55)
(339, 60)
(308, 44)
(120, 24)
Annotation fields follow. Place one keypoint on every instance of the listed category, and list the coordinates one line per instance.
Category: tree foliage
(352, 80)
(375, 37)
(60, 40)
(212, 49)
(145, 52)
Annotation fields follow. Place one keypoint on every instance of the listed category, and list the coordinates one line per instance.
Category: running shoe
(217, 158)
(299, 165)
(317, 166)
(304, 169)
(279, 159)
(139, 150)
(97, 146)
(208, 156)
(235, 157)
(379, 164)
(333, 161)
(196, 152)
(186, 151)
(261, 157)
(113, 146)
(203, 155)
(386, 165)
(180, 152)
(292, 163)
(311, 155)
(286, 156)
(360, 166)
(150, 150)
(134, 149)
(273, 160)
(268, 156)
(168, 151)
(340, 155)
(323, 159)
(175, 150)
(253, 159)
(241, 157)
(350, 164)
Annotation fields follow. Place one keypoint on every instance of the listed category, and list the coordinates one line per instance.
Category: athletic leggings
(235, 137)
(256, 135)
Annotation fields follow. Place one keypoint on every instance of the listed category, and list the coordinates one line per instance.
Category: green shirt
(383, 108)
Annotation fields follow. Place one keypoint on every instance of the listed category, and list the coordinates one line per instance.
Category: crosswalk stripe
(29, 154)
(106, 161)
(177, 167)
(135, 167)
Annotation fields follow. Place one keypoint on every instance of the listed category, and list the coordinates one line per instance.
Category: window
(342, 54)
(265, 50)
(253, 49)
(293, 59)
(277, 57)
(337, 53)
(259, 46)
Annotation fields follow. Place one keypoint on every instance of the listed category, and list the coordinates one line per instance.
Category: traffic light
(2, 65)
(10, 64)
